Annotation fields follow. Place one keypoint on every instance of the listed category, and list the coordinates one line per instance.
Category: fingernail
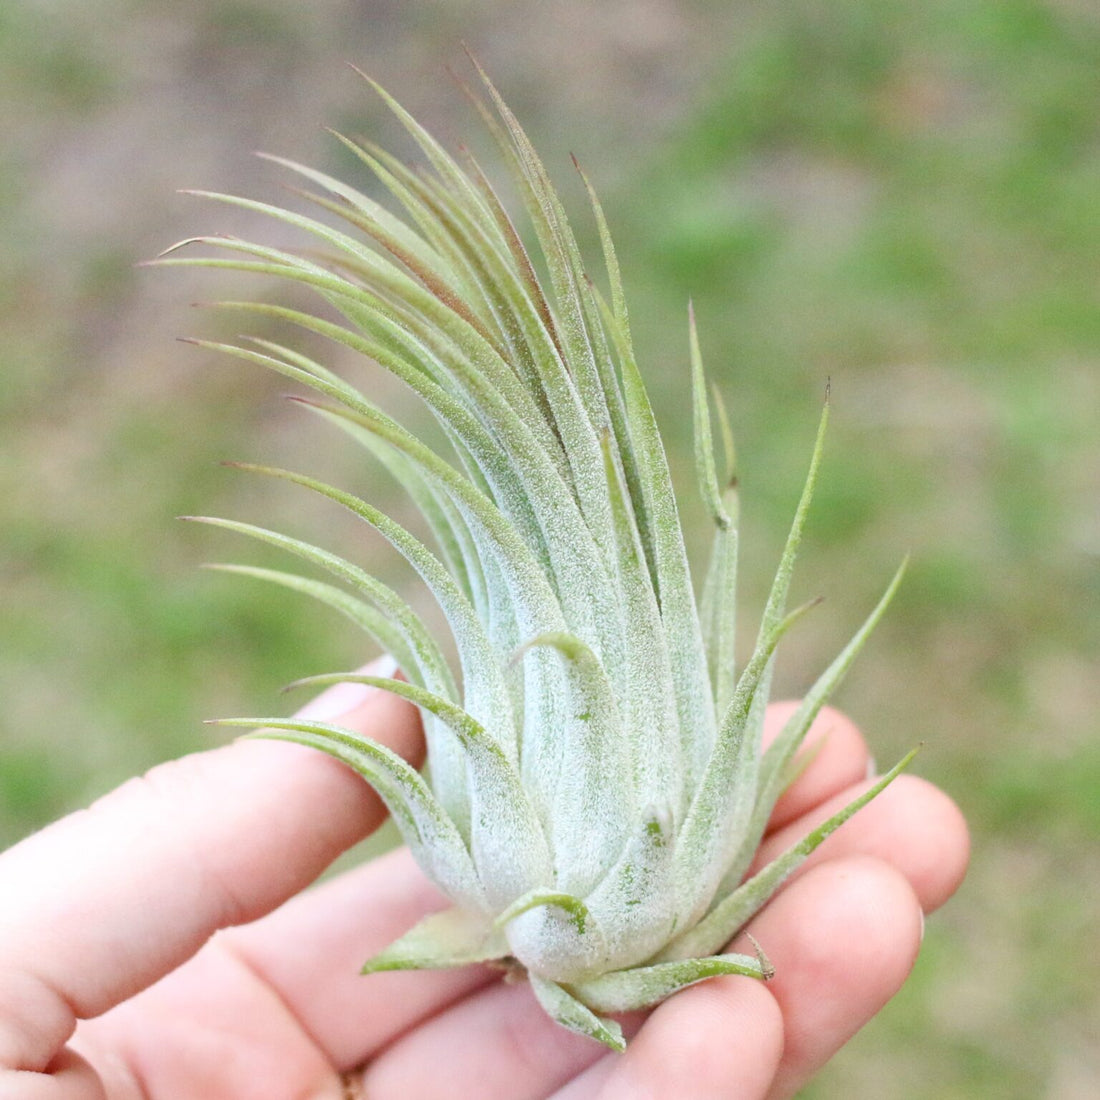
(872, 768)
(922, 926)
(340, 699)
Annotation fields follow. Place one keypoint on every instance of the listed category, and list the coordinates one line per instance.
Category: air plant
(597, 784)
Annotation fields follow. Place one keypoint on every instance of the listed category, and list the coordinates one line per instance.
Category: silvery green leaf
(775, 768)
(705, 470)
(592, 803)
(732, 912)
(571, 1013)
(638, 904)
(452, 937)
(372, 621)
(430, 834)
(718, 606)
(426, 662)
(506, 838)
(627, 990)
(556, 933)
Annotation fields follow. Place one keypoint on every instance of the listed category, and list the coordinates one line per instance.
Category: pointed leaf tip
(640, 987)
(445, 939)
(767, 969)
(571, 1013)
(705, 470)
(172, 248)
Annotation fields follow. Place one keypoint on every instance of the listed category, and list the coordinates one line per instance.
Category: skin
(159, 946)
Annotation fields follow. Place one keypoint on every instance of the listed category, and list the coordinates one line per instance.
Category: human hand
(115, 981)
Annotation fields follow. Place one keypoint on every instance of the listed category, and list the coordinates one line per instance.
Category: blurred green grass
(904, 198)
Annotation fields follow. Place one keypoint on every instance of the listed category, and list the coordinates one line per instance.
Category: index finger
(104, 902)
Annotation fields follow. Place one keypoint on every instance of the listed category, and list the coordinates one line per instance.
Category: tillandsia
(598, 787)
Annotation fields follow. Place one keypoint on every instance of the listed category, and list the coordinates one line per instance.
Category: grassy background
(902, 197)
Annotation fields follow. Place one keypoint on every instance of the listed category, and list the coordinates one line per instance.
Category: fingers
(105, 901)
(843, 935)
(843, 940)
(350, 919)
(911, 825)
(837, 756)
